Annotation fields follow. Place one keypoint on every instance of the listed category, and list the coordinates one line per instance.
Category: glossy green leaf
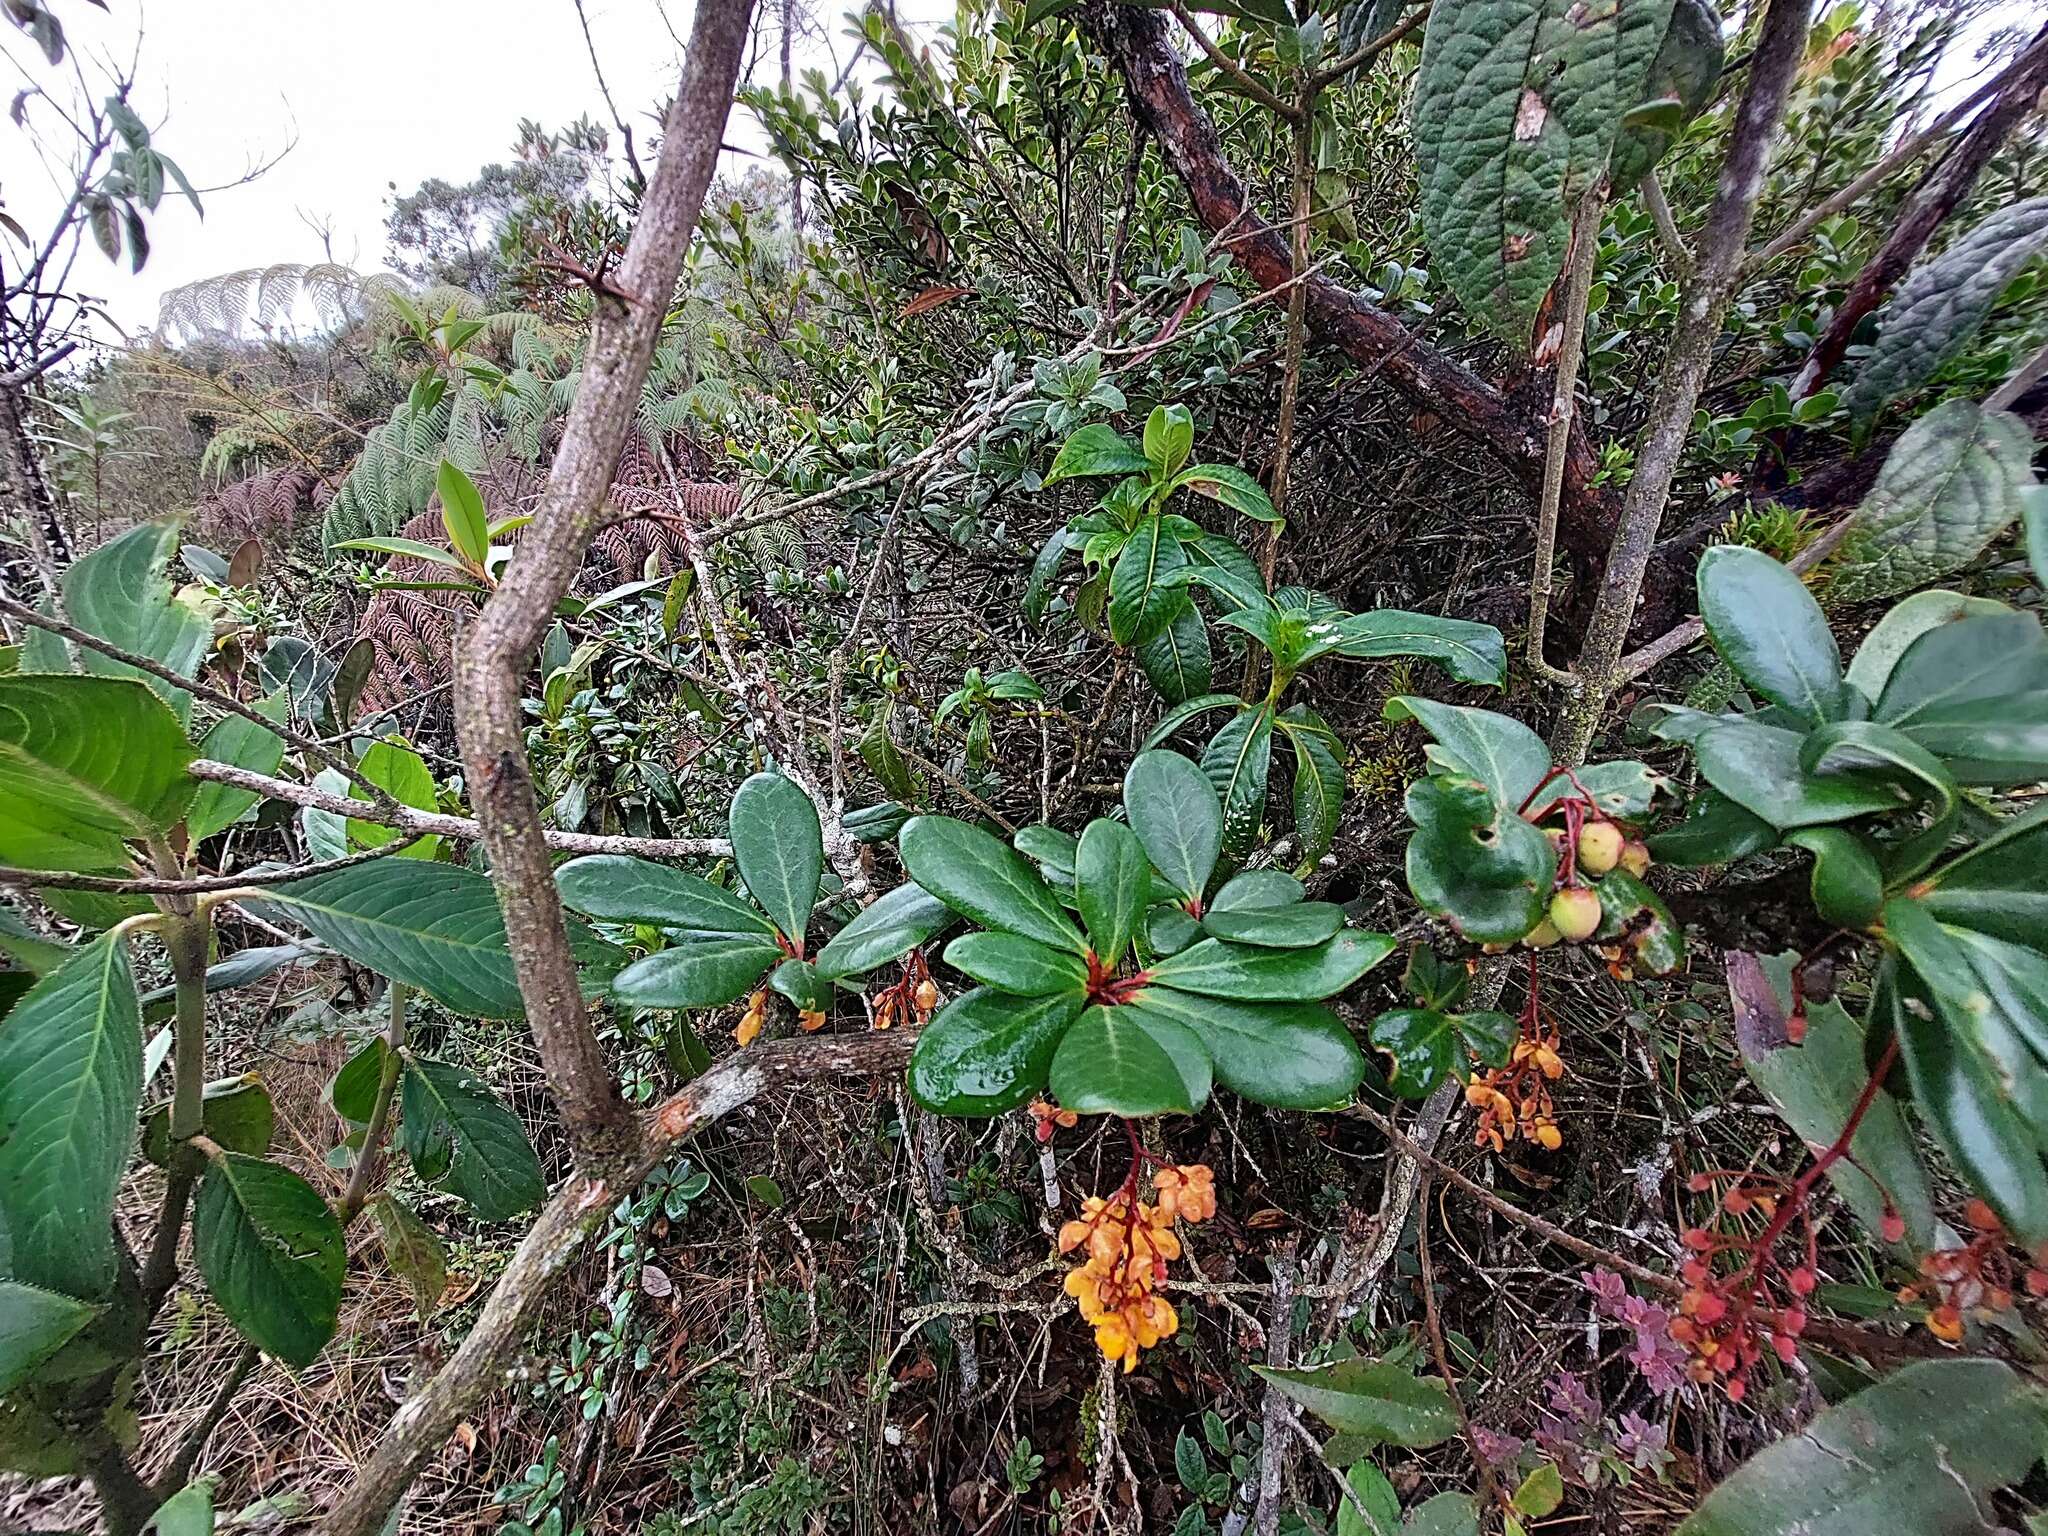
(1871, 667)
(86, 763)
(1017, 966)
(1231, 486)
(1372, 1494)
(1112, 881)
(1095, 450)
(1847, 884)
(1169, 438)
(1996, 887)
(1144, 597)
(436, 927)
(411, 1250)
(1484, 870)
(1177, 819)
(1757, 767)
(1995, 742)
(1816, 1084)
(1634, 917)
(780, 850)
(1237, 761)
(981, 879)
(353, 1090)
(1683, 75)
(706, 972)
(1504, 755)
(1951, 483)
(70, 1084)
(1471, 653)
(985, 1053)
(1386, 1402)
(411, 549)
(1869, 750)
(493, 1166)
(1450, 1514)
(618, 889)
(240, 743)
(1300, 926)
(1215, 969)
(462, 514)
(797, 980)
(1053, 850)
(120, 593)
(235, 1113)
(1715, 831)
(404, 775)
(1917, 1452)
(1177, 660)
(1130, 1060)
(34, 1324)
(1287, 1055)
(1968, 659)
(271, 1251)
(1253, 888)
(1540, 1492)
(1424, 1046)
(1182, 713)
(1318, 780)
(1766, 625)
(886, 930)
(1943, 301)
(1970, 1031)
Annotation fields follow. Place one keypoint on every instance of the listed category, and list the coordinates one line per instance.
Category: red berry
(1801, 1281)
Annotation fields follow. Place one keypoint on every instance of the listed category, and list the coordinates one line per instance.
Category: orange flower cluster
(915, 996)
(1048, 1117)
(1975, 1278)
(749, 1027)
(1515, 1100)
(1129, 1243)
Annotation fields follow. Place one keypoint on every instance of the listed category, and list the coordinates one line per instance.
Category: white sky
(373, 92)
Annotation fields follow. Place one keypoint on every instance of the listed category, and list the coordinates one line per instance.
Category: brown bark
(1930, 204)
(1136, 42)
(493, 655)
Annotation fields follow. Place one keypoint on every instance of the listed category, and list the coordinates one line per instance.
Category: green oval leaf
(1130, 1060)
(1216, 969)
(697, 973)
(1019, 966)
(271, 1251)
(1768, 628)
(1385, 1402)
(618, 889)
(447, 1110)
(777, 843)
(1112, 882)
(1177, 819)
(887, 930)
(85, 764)
(981, 879)
(985, 1053)
(1287, 1055)
(1300, 926)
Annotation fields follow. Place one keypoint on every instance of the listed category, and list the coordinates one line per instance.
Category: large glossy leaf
(1130, 1060)
(780, 850)
(1770, 631)
(1298, 926)
(1253, 888)
(34, 1324)
(1177, 818)
(1238, 761)
(1847, 882)
(70, 1084)
(1942, 302)
(1715, 830)
(706, 972)
(1143, 593)
(1231, 486)
(1981, 1085)
(1916, 1452)
(1112, 884)
(886, 930)
(1177, 660)
(86, 762)
(1680, 83)
(1169, 438)
(243, 744)
(1471, 653)
(271, 1251)
(981, 879)
(1318, 780)
(404, 775)
(1096, 450)
(1994, 742)
(436, 927)
(120, 593)
(985, 1053)
(1425, 1046)
(1502, 754)
(1018, 966)
(1516, 111)
(1951, 483)
(1288, 1055)
(1757, 766)
(1871, 667)
(1478, 866)
(1997, 886)
(1815, 1085)
(448, 1111)
(1376, 1399)
(1215, 969)
(1960, 662)
(618, 889)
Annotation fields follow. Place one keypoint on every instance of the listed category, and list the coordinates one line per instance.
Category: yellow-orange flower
(749, 1029)
(1188, 1193)
(1127, 1245)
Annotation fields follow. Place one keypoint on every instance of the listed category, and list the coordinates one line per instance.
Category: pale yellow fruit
(1542, 936)
(1576, 913)
(1600, 845)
